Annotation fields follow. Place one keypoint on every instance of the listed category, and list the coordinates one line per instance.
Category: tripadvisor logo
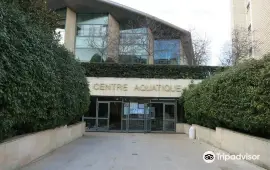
(210, 157)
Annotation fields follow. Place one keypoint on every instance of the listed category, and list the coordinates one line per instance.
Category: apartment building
(254, 16)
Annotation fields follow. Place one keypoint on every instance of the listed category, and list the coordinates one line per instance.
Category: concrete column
(151, 47)
(70, 30)
(113, 39)
(183, 59)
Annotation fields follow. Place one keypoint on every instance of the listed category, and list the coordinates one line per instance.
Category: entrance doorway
(136, 116)
(164, 118)
(132, 115)
(115, 115)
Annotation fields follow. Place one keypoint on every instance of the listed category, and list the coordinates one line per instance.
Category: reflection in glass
(91, 30)
(167, 51)
(92, 19)
(86, 54)
(169, 111)
(85, 42)
(103, 110)
(91, 37)
(134, 46)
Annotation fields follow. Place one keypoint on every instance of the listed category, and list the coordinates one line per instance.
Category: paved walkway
(127, 151)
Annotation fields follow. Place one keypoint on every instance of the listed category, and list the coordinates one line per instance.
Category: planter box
(236, 143)
(23, 150)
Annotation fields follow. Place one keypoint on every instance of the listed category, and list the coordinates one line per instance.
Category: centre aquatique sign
(138, 87)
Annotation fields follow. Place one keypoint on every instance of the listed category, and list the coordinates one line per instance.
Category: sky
(210, 18)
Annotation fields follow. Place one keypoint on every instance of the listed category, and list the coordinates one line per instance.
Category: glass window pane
(137, 30)
(133, 49)
(89, 55)
(91, 42)
(133, 39)
(103, 110)
(91, 30)
(167, 51)
(92, 19)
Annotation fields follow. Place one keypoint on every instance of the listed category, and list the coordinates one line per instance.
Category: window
(167, 52)
(134, 46)
(91, 38)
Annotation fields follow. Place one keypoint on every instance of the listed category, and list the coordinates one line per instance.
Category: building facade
(254, 16)
(103, 31)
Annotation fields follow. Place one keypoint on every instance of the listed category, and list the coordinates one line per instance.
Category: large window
(91, 38)
(167, 52)
(60, 30)
(134, 46)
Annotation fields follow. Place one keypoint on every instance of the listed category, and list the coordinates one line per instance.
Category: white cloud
(210, 17)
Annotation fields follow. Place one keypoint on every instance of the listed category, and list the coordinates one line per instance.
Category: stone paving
(133, 151)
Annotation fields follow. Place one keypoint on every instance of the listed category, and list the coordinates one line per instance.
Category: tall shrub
(42, 86)
(237, 99)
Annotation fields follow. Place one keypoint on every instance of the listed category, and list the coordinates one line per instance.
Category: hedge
(237, 99)
(149, 71)
(42, 86)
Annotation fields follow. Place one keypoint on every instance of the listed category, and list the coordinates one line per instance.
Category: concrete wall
(113, 38)
(70, 30)
(19, 152)
(205, 134)
(260, 22)
(238, 13)
(236, 143)
(183, 59)
(182, 128)
(151, 47)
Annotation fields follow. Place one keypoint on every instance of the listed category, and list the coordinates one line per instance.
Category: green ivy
(149, 71)
(237, 99)
(42, 86)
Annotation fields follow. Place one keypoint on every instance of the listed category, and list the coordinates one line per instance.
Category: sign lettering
(142, 87)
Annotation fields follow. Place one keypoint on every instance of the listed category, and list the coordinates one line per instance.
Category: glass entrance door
(136, 116)
(169, 117)
(103, 116)
(148, 117)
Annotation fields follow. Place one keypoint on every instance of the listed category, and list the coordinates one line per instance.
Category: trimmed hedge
(237, 99)
(149, 71)
(42, 86)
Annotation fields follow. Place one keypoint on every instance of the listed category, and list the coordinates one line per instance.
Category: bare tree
(141, 33)
(201, 47)
(240, 48)
(105, 41)
(136, 39)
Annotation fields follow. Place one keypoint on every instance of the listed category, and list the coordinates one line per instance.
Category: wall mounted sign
(138, 87)
(101, 86)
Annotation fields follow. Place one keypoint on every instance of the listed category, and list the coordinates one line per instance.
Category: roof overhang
(123, 14)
